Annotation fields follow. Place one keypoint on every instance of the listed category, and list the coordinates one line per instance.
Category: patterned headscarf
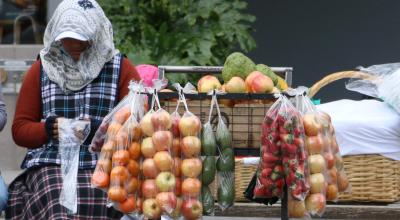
(86, 18)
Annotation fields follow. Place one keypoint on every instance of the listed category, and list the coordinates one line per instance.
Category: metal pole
(284, 204)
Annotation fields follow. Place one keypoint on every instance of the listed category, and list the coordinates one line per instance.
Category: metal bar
(284, 204)
(286, 72)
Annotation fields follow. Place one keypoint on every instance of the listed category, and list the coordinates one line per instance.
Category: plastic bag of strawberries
(283, 158)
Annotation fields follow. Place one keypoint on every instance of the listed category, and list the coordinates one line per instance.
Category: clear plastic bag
(225, 162)
(190, 130)
(72, 133)
(382, 84)
(320, 158)
(283, 156)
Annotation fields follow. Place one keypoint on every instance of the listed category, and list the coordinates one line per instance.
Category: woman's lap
(36, 195)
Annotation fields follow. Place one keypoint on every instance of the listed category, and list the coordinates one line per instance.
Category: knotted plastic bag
(72, 133)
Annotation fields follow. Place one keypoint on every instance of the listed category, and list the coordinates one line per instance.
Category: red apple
(150, 169)
(314, 144)
(330, 160)
(189, 125)
(316, 163)
(208, 83)
(191, 167)
(317, 182)
(311, 126)
(315, 203)
(166, 201)
(149, 188)
(178, 186)
(296, 209)
(162, 140)
(146, 125)
(191, 187)
(161, 120)
(163, 161)
(151, 210)
(190, 146)
(165, 182)
(128, 206)
(147, 148)
(192, 209)
(176, 147)
(175, 125)
(177, 170)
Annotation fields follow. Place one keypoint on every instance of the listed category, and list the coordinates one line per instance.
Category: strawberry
(267, 165)
(290, 179)
(286, 138)
(266, 182)
(279, 183)
(288, 126)
(289, 149)
(269, 158)
(278, 169)
(266, 172)
(259, 192)
(298, 142)
(296, 191)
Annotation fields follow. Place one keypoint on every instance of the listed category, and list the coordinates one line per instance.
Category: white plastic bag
(72, 133)
(382, 84)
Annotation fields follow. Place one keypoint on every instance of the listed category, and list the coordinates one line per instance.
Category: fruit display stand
(243, 119)
(374, 178)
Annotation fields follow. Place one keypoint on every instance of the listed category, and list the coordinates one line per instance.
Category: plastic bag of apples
(117, 169)
(191, 168)
(325, 162)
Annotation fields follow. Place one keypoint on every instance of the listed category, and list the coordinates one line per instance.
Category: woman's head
(74, 47)
(78, 40)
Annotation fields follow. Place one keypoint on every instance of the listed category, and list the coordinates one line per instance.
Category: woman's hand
(55, 129)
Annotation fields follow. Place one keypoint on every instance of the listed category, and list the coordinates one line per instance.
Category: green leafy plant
(180, 32)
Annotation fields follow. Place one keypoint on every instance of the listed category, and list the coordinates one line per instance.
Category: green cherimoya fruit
(226, 189)
(226, 161)
(237, 64)
(223, 135)
(207, 200)
(208, 170)
(208, 142)
(266, 70)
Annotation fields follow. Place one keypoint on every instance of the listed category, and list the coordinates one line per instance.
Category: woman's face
(74, 47)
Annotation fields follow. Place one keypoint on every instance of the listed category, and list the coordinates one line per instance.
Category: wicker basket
(373, 178)
(243, 175)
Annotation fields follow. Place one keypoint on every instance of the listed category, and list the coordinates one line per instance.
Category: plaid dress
(35, 194)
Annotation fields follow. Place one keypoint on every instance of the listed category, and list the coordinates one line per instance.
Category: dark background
(319, 37)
